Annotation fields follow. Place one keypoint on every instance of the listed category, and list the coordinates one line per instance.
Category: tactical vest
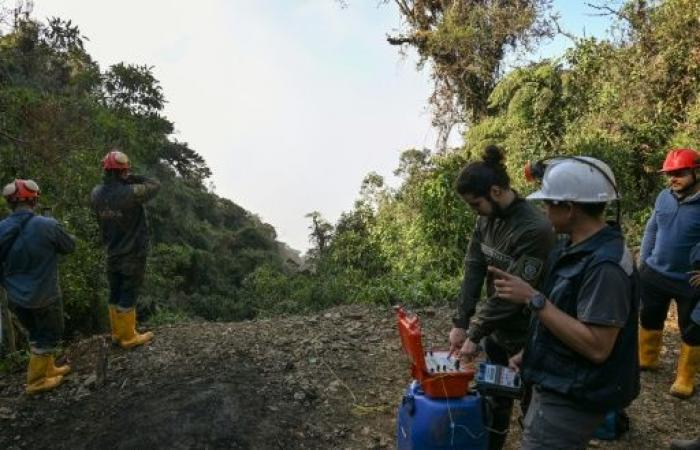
(553, 366)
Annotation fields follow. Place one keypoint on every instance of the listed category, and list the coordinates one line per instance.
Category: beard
(496, 210)
(687, 190)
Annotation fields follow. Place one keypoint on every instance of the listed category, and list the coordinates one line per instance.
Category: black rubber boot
(501, 409)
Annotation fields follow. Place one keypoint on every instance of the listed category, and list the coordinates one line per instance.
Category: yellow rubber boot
(688, 363)
(113, 323)
(649, 348)
(52, 370)
(128, 337)
(37, 380)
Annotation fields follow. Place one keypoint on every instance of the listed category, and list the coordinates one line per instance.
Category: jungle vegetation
(626, 99)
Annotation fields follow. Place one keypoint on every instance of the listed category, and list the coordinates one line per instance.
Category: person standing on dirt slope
(670, 268)
(515, 236)
(581, 354)
(29, 249)
(118, 203)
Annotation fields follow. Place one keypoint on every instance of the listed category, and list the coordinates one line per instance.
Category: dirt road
(331, 380)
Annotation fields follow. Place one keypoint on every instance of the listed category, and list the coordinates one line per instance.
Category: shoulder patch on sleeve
(530, 268)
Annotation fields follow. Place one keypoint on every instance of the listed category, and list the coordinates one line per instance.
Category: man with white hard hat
(581, 354)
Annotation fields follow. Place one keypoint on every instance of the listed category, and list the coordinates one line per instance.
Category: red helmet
(115, 160)
(21, 190)
(681, 158)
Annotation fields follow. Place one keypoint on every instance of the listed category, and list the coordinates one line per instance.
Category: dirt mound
(325, 381)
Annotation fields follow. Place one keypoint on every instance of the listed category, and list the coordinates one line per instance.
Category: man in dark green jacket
(510, 234)
(118, 204)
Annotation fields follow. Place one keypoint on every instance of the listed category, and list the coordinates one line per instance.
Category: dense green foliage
(465, 42)
(626, 101)
(59, 114)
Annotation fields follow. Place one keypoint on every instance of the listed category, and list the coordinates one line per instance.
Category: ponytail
(478, 177)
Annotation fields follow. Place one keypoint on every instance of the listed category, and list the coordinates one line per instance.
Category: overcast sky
(291, 102)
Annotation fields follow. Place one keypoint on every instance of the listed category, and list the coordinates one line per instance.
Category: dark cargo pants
(501, 407)
(125, 281)
(657, 292)
(44, 325)
(555, 422)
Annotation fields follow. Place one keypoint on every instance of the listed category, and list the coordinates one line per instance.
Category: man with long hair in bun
(514, 236)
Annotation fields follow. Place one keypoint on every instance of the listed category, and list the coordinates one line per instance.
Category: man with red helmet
(670, 268)
(29, 249)
(118, 203)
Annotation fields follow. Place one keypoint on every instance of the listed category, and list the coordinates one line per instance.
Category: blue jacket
(29, 248)
(671, 244)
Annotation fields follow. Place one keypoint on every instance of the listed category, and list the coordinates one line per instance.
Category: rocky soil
(332, 380)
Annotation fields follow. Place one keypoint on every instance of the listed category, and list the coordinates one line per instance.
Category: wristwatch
(537, 302)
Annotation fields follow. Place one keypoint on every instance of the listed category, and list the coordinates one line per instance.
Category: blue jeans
(45, 325)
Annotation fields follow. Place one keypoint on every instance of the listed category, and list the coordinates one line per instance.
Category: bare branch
(605, 10)
(401, 40)
(12, 138)
(406, 10)
(563, 32)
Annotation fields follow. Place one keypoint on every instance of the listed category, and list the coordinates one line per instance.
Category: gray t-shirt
(604, 297)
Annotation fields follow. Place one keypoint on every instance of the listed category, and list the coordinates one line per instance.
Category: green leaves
(58, 117)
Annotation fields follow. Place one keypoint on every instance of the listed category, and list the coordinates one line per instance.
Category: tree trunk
(7, 329)
(100, 318)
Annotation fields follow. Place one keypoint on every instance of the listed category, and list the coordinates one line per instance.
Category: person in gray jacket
(670, 268)
(29, 249)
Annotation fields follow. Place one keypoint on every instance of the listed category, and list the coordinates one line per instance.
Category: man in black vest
(581, 355)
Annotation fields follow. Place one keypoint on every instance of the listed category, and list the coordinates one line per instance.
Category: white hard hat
(579, 179)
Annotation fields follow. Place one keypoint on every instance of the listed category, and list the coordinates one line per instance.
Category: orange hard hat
(21, 190)
(681, 158)
(115, 160)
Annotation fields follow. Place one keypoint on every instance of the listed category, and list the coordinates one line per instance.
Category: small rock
(7, 413)
(81, 393)
(299, 396)
(90, 380)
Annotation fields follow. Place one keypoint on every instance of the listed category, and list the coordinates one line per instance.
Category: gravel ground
(331, 380)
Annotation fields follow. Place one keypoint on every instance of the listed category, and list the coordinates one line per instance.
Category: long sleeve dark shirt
(30, 245)
(118, 204)
(518, 241)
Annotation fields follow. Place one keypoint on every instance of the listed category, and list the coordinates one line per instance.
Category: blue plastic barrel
(426, 423)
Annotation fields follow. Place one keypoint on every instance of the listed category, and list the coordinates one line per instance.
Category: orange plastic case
(444, 384)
